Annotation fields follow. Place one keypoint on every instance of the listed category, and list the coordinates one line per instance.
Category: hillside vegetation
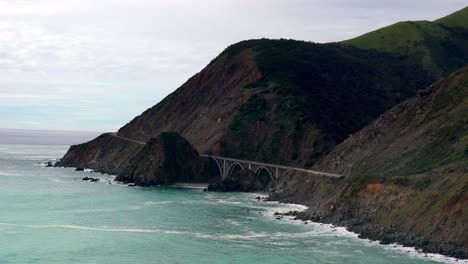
(427, 133)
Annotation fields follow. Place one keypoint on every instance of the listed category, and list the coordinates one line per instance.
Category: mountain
(284, 101)
(259, 95)
(425, 134)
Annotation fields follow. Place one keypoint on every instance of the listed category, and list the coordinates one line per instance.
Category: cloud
(93, 65)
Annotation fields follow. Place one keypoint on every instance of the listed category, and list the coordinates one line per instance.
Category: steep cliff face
(202, 108)
(168, 159)
(428, 132)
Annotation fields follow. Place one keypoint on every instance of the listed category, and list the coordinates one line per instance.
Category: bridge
(227, 165)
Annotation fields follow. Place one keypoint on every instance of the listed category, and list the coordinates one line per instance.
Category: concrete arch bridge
(227, 165)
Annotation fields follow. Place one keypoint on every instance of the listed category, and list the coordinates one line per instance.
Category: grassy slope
(440, 46)
(458, 19)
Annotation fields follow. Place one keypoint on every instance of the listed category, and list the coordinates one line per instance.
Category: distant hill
(425, 134)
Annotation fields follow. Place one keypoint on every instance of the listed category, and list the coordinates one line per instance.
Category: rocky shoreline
(384, 235)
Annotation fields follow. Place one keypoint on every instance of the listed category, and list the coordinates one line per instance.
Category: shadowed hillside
(427, 133)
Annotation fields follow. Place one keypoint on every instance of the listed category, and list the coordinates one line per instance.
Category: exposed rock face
(167, 159)
(243, 180)
(202, 108)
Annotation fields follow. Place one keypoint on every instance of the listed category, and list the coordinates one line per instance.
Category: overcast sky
(95, 64)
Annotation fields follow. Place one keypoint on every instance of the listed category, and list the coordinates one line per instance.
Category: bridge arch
(259, 169)
(220, 168)
(232, 167)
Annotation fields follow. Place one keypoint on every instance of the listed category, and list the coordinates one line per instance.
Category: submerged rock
(90, 179)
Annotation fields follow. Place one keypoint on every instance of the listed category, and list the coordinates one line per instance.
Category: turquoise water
(49, 215)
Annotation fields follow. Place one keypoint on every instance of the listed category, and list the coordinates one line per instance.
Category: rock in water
(164, 160)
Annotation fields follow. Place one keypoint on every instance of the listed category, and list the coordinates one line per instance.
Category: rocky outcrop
(106, 153)
(164, 160)
(168, 159)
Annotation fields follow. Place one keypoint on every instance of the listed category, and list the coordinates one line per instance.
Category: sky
(92, 65)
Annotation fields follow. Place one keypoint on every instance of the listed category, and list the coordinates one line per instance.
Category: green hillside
(440, 46)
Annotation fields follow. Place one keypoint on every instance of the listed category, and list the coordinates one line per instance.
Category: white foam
(232, 222)
(415, 253)
(158, 202)
(228, 201)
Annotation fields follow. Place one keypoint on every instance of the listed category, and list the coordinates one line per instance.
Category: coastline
(382, 235)
(301, 217)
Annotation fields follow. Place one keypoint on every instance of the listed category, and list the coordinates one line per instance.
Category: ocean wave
(225, 201)
(232, 222)
(3, 173)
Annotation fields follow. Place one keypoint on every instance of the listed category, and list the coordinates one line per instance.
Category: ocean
(50, 215)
